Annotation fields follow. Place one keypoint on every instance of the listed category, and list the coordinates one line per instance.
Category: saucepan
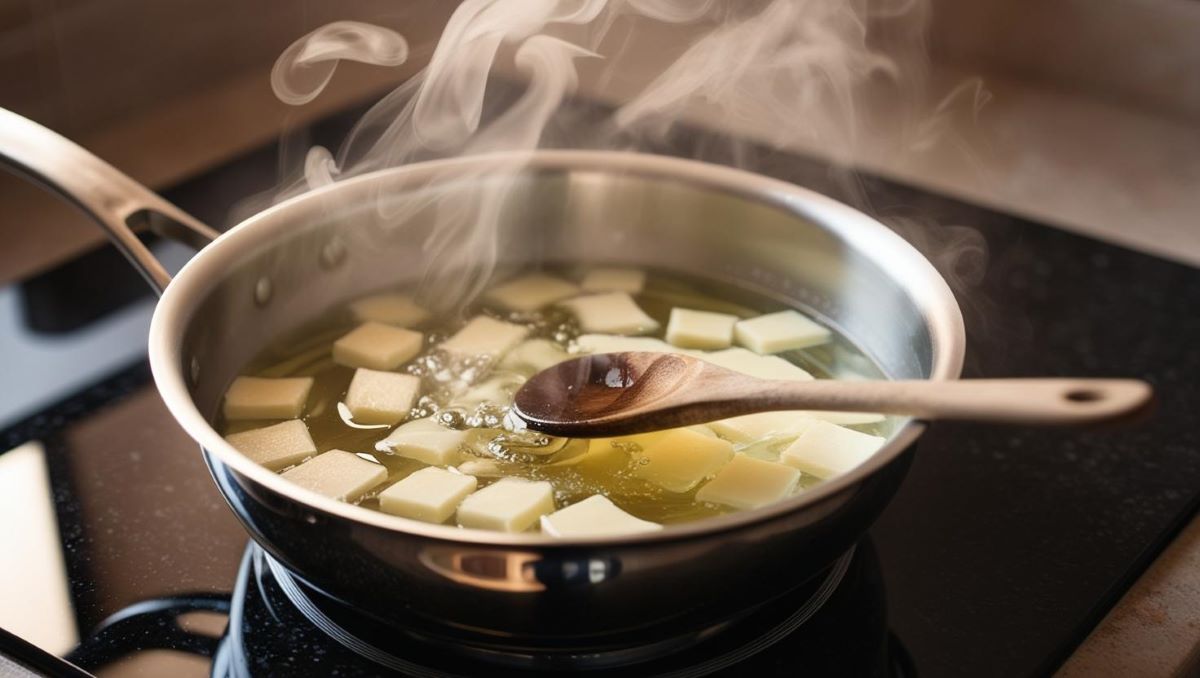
(522, 595)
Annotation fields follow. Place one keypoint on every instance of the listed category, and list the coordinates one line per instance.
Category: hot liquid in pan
(576, 469)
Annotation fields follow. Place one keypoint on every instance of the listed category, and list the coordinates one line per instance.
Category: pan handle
(120, 204)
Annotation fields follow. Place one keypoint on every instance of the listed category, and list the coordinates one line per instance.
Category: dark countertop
(1004, 547)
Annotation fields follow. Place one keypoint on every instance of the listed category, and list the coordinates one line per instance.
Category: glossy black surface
(842, 632)
(1000, 552)
(557, 600)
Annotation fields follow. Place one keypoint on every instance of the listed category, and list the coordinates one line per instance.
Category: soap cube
(611, 313)
(389, 308)
(825, 450)
(530, 292)
(377, 346)
(689, 328)
(430, 494)
(381, 397)
(507, 505)
(592, 517)
(426, 441)
(782, 331)
(338, 474)
(755, 365)
(612, 343)
(747, 483)
(277, 446)
(261, 398)
(534, 355)
(751, 427)
(610, 279)
(484, 336)
(680, 458)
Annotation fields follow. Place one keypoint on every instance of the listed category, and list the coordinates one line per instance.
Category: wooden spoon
(623, 393)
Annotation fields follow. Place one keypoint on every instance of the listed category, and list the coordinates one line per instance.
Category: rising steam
(803, 69)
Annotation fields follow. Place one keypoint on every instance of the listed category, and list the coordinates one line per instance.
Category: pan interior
(292, 264)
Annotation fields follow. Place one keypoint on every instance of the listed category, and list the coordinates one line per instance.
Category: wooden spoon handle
(1016, 401)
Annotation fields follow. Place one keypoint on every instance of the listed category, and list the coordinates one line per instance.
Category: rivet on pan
(333, 253)
(194, 370)
(262, 291)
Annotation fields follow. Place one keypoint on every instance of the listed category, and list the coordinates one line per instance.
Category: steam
(804, 69)
(307, 66)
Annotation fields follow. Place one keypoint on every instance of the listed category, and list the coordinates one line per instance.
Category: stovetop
(1002, 550)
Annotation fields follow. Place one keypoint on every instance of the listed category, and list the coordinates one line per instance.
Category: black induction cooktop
(1003, 549)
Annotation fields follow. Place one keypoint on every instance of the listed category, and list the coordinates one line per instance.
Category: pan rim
(923, 283)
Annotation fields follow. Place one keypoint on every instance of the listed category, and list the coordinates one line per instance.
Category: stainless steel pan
(523, 594)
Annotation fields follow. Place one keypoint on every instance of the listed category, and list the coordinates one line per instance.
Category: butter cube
(426, 441)
(747, 483)
(277, 446)
(260, 398)
(751, 427)
(594, 516)
(607, 279)
(611, 313)
(497, 390)
(534, 355)
(484, 336)
(677, 460)
(825, 450)
(377, 346)
(338, 474)
(530, 292)
(755, 365)
(389, 308)
(611, 343)
(780, 331)
(430, 494)
(507, 505)
(381, 397)
(700, 329)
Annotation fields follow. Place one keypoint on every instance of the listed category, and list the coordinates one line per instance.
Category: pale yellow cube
(826, 450)
(612, 343)
(530, 292)
(507, 505)
(755, 365)
(377, 346)
(484, 336)
(497, 390)
(611, 313)
(751, 427)
(389, 308)
(381, 397)
(610, 279)
(677, 460)
(338, 474)
(277, 446)
(426, 441)
(534, 355)
(747, 483)
(595, 516)
(262, 398)
(689, 328)
(430, 494)
(782, 331)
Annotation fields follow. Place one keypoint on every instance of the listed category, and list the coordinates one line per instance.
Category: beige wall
(166, 90)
